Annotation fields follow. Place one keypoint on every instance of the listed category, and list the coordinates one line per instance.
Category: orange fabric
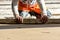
(35, 8)
(22, 6)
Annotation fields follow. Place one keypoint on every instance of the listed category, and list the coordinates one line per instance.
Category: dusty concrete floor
(33, 33)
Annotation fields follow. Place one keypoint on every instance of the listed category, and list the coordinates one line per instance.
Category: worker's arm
(43, 6)
(15, 8)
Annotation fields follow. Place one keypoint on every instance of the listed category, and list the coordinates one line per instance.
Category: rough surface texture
(41, 33)
(13, 21)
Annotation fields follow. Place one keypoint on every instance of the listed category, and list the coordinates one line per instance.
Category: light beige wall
(5, 9)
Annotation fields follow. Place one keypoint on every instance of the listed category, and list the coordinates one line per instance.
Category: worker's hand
(19, 19)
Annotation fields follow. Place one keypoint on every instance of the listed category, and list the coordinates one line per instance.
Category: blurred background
(7, 16)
